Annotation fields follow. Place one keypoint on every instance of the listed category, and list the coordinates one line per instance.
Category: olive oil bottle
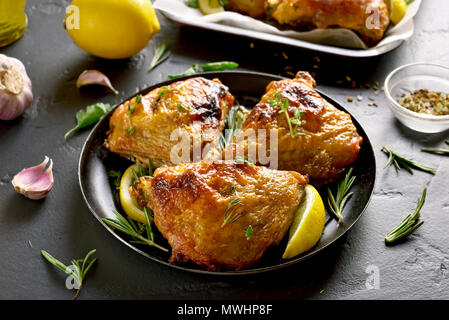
(13, 21)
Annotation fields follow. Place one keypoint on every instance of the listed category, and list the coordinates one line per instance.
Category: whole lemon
(111, 29)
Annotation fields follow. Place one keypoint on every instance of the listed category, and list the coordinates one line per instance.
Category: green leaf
(192, 4)
(219, 66)
(88, 116)
(249, 232)
(213, 66)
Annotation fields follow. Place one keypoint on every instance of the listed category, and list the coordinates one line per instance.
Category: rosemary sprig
(298, 113)
(400, 162)
(231, 215)
(234, 122)
(117, 175)
(443, 151)
(81, 266)
(160, 55)
(134, 229)
(409, 224)
(337, 203)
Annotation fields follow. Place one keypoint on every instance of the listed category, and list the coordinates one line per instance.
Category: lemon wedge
(210, 6)
(307, 225)
(397, 10)
(129, 204)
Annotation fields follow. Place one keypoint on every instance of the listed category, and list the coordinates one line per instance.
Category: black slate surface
(62, 224)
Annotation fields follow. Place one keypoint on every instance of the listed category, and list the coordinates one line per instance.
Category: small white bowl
(409, 78)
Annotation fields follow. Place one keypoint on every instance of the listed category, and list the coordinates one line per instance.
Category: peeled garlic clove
(88, 77)
(35, 182)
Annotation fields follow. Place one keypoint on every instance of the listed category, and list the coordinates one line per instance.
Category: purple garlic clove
(35, 182)
(88, 77)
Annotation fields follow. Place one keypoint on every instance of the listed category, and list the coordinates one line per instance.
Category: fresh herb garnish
(400, 162)
(249, 232)
(131, 130)
(117, 175)
(409, 224)
(298, 113)
(223, 2)
(243, 160)
(134, 229)
(181, 106)
(443, 151)
(337, 203)
(234, 121)
(232, 189)
(131, 110)
(192, 4)
(136, 103)
(160, 54)
(161, 93)
(88, 116)
(214, 66)
(81, 266)
(231, 215)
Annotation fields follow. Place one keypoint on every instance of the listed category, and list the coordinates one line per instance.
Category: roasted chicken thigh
(369, 18)
(205, 209)
(150, 128)
(321, 147)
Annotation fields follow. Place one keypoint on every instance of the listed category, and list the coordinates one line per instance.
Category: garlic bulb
(35, 182)
(15, 88)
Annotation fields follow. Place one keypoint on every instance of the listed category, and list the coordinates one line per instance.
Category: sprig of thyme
(298, 113)
(409, 224)
(337, 203)
(81, 266)
(231, 215)
(131, 109)
(400, 162)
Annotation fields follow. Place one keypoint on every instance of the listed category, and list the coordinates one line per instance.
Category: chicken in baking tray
(143, 128)
(206, 209)
(369, 18)
(311, 136)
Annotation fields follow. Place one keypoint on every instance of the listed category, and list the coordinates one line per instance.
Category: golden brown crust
(329, 143)
(180, 105)
(189, 203)
(369, 18)
(253, 8)
(351, 14)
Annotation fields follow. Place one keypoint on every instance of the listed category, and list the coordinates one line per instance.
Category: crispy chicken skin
(253, 8)
(370, 18)
(329, 142)
(350, 14)
(189, 202)
(195, 105)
